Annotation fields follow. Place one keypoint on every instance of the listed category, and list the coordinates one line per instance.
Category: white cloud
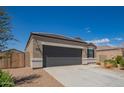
(99, 41)
(87, 29)
(106, 41)
(108, 44)
(118, 38)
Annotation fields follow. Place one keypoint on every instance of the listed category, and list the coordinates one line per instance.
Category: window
(90, 53)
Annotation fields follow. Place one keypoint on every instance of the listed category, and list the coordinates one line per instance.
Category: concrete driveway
(87, 76)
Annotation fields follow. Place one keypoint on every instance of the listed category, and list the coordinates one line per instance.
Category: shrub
(122, 62)
(98, 63)
(112, 62)
(107, 61)
(107, 64)
(118, 58)
(6, 79)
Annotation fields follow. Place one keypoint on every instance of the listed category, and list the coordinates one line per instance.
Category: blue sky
(101, 25)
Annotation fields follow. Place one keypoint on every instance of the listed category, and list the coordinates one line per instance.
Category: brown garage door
(59, 56)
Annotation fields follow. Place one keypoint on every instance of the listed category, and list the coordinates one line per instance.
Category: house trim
(61, 45)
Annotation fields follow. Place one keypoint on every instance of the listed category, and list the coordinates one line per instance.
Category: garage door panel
(58, 56)
(60, 61)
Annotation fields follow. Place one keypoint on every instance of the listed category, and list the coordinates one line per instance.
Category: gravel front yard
(27, 77)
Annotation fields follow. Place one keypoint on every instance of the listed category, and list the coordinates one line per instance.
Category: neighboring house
(12, 58)
(108, 52)
(46, 50)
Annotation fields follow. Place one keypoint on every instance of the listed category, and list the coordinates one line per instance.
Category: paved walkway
(87, 76)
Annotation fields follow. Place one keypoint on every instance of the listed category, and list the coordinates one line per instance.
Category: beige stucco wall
(108, 54)
(37, 44)
(122, 52)
(29, 53)
(35, 48)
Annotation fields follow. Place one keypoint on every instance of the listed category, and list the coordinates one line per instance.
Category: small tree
(5, 29)
(122, 62)
(118, 58)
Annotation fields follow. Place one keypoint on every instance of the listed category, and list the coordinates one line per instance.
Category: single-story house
(108, 52)
(46, 50)
(12, 58)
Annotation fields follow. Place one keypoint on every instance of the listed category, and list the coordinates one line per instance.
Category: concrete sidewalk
(87, 76)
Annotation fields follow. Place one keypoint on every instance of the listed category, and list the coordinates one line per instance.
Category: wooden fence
(15, 60)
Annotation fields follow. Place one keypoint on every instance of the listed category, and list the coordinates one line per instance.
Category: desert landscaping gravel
(27, 77)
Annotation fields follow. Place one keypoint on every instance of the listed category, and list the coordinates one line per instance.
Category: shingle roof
(106, 47)
(58, 36)
(11, 50)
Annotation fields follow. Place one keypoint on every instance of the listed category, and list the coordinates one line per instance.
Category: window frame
(89, 55)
